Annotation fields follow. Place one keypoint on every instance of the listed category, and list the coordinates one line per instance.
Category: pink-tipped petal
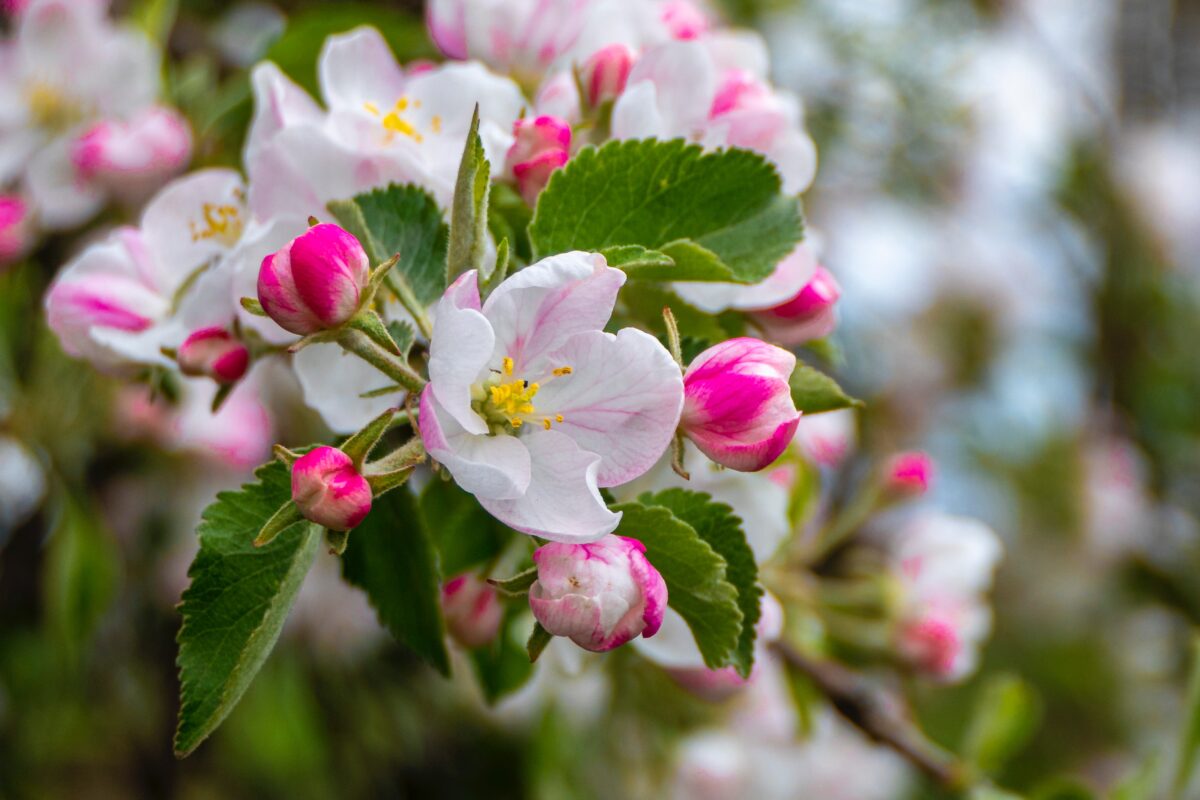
(329, 491)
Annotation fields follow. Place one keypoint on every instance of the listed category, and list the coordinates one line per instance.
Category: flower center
(506, 403)
(51, 108)
(220, 222)
(394, 122)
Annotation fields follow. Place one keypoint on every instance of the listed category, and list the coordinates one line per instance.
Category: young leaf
(469, 210)
(236, 604)
(1006, 715)
(695, 574)
(716, 216)
(404, 220)
(537, 641)
(517, 584)
(722, 529)
(813, 391)
(391, 558)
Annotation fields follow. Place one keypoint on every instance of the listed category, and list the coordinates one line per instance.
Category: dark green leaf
(465, 535)
(503, 666)
(813, 391)
(236, 604)
(695, 575)
(645, 306)
(538, 640)
(390, 556)
(517, 584)
(405, 220)
(722, 529)
(716, 216)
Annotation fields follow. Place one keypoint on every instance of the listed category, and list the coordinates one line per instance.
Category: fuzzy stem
(389, 364)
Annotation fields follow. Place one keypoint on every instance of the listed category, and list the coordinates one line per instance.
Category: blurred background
(1009, 194)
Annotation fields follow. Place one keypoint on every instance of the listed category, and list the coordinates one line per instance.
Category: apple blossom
(132, 158)
(329, 490)
(909, 473)
(316, 281)
(599, 595)
(789, 277)
(532, 407)
(807, 316)
(14, 229)
(944, 565)
(542, 145)
(213, 352)
(606, 72)
(472, 610)
(738, 407)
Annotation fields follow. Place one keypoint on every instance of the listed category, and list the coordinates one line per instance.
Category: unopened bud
(215, 353)
(472, 610)
(809, 315)
(542, 145)
(328, 489)
(315, 282)
(909, 474)
(606, 72)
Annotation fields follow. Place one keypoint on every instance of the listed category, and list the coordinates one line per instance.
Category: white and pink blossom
(606, 72)
(329, 490)
(599, 595)
(809, 315)
(316, 281)
(472, 610)
(533, 408)
(541, 145)
(738, 407)
(130, 159)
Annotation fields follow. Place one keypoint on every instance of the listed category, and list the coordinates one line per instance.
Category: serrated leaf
(238, 600)
(1006, 715)
(503, 666)
(813, 391)
(402, 219)
(717, 524)
(469, 210)
(403, 335)
(391, 558)
(695, 575)
(717, 216)
(465, 535)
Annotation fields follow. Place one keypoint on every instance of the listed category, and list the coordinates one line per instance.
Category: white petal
(539, 308)
(16, 147)
(493, 467)
(460, 351)
(278, 103)
(621, 401)
(358, 67)
(450, 93)
(61, 198)
(686, 80)
(563, 502)
(789, 277)
(174, 222)
(636, 114)
(332, 380)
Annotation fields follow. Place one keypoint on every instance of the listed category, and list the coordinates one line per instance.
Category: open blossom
(66, 69)
(944, 565)
(809, 315)
(213, 352)
(599, 595)
(328, 489)
(542, 145)
(738, 407)
(316, 281)
(472, 610)
(14, 229)
(533, 408)
(116, 304)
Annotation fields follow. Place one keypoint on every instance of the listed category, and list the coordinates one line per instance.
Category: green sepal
(518, 584)
(252, 305)
(287, 516)
(337, 541)
(537, 642)
(359, 446)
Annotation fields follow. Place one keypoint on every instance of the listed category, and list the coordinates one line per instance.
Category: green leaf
(403, 335)
(469, 210)
(402, 219)
(1189, 735)
(390, 556)
(716, 216)
(503, 666)
(238, 599)
(297, 50)
(465, 535)
(722, 529)
(508, 218)
(646, 303)
(1006, 716)
(82, 573)
(695, 575)
(813, 391)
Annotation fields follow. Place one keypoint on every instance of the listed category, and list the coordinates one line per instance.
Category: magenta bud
(213, 352)
(542, 145)
(909, 474)
(15, 229)
(606, 72)
(315, 282)
(738, 407)
(809, 315)
(599, 595)
(328, 489)
(472, 610)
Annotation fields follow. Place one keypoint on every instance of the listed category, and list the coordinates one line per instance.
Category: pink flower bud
(328, 489)
(684, 20)
(738, 406)
(909, 474)
(315, 282)
(605, 74)
(807, 316)
(542, 145)
(600, 595)
(213, 352)
(472, 610)
(932, 645)
(15, 229)
(134, 158)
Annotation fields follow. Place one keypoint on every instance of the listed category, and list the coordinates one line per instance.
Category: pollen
(436, 123)
(562, 371)
(220, 222)
(508, 366)
(546, 423)
(394, 123)
(514, 399)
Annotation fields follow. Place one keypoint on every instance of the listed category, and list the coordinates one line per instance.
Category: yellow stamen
(508, 366)
(515, 422)
(558, 417)
(223, 223)
(546, 423)
(436, 123)
(562, 371)
(371, 108)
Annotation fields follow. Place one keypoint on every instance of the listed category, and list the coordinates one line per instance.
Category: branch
(874, 713)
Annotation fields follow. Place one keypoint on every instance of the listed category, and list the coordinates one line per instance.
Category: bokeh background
(1009, 193)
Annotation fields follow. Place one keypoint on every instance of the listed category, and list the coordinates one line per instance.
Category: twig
(867, 708)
